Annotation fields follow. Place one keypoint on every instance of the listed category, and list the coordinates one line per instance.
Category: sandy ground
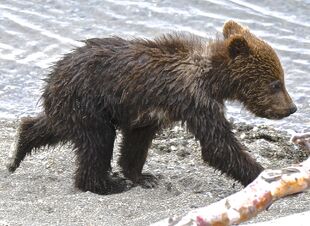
(41, 191)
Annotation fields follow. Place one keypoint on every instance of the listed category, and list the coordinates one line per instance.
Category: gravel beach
(41, 190)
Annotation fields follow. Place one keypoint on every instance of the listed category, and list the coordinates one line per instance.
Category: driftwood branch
(269, 186)
(303, 139)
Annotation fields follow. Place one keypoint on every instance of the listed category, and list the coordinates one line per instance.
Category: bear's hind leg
(32, 134)
(134, 148)
(94, 149)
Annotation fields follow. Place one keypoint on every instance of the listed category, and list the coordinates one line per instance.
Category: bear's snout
(293, 109)
(282, 105)
(278, 113)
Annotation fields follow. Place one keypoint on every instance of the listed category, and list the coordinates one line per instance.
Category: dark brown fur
(140, 86)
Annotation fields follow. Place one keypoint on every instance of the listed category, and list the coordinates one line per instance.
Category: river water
(35, 33)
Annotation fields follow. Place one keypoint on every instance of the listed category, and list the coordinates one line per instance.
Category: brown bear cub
(140, 86)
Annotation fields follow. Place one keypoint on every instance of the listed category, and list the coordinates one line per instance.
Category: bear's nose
(293, 109)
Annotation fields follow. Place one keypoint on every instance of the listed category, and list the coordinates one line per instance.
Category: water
(35, 33)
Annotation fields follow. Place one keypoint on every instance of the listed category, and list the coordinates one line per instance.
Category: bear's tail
(33, 133)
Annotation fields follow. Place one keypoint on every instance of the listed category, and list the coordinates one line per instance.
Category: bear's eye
(275, 86)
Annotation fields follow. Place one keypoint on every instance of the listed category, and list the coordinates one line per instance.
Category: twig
(302, 139)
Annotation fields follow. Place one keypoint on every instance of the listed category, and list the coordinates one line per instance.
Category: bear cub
(140, 86)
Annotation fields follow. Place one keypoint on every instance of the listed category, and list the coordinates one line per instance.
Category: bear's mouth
(276, 114)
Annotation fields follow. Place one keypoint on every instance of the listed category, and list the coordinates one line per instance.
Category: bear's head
(256, 73)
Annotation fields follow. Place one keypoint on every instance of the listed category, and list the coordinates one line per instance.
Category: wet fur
(139, 87)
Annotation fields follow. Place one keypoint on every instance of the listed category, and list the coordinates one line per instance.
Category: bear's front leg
(94, 148)
(225, 153)
(221, 149)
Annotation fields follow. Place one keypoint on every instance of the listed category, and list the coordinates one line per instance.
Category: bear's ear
(238, 46)
(232, 28)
